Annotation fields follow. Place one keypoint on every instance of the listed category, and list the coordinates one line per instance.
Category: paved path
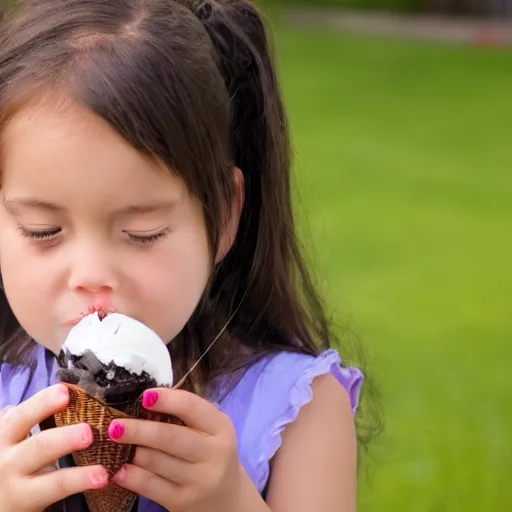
(419, 27)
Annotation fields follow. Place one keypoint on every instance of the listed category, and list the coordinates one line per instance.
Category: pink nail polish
(149, 399)
(116, 430)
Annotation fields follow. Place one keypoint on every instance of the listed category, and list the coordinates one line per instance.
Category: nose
(91, 270)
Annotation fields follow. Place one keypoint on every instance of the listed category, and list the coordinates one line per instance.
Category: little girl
(145, 169)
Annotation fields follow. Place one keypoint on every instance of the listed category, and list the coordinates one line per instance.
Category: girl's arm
(316, 466)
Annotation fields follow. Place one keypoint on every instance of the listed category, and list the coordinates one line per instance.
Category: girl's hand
(25, 486)
(192, 468)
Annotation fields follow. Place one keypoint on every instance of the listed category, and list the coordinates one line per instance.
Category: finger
(44, 490)
(50, 445)
(17, 422)
(195, 411)
(147, 484)
(177, 471)
(176, 440)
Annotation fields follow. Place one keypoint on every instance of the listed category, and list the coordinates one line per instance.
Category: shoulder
(277, 392)
(316, 465)
(18, 383)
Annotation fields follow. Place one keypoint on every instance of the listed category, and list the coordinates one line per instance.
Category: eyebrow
(146, 208)
(35, 203)
(31, 202)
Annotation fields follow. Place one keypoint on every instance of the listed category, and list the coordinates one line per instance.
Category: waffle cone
(83, 408)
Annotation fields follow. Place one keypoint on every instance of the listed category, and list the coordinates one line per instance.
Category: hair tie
(202, 9)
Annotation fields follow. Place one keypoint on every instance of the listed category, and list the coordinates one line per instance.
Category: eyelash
(43, 236)
(49, 234)
(148, 239)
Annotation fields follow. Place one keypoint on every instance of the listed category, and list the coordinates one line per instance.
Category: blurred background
(401, 117)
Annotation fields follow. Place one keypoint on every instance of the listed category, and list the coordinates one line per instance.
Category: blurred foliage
(390, 5)
(467, 8)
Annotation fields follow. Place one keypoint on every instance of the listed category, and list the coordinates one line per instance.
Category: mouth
(102, 313)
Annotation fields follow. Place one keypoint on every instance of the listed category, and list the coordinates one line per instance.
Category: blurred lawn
(404, 170)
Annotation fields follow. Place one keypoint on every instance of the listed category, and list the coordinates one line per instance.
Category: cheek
(174, 283)
(17, 266)
(28, 288)
(23, 271)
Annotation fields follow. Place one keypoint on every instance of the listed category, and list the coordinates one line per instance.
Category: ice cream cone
(107, 362)
(83, 408)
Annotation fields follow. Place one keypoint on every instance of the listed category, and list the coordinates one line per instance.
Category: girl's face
(87, 222)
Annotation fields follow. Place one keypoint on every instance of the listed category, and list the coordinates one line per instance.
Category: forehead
(55, 147)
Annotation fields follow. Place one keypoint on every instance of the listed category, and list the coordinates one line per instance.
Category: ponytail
(266, 254)
(284, 309)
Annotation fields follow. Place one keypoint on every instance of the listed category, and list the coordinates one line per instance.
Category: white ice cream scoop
(125, 341)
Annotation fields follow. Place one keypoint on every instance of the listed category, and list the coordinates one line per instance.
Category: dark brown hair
(192, 84)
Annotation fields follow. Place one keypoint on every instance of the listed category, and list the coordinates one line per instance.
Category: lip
(90, 311)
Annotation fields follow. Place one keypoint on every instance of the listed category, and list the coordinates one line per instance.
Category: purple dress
(264, 401)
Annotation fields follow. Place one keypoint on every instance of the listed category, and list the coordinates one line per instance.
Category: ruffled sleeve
(271, 396)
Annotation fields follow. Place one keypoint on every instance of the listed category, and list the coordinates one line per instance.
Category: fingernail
(116, 430)
(99, 477)
(61, 393)
(120, 476)
(85, 434)
(149, 399)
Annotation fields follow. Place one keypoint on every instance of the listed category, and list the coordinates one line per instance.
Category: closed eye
(148, 239)
(43, 235)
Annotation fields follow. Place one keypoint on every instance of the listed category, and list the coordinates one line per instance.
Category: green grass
(404, 171)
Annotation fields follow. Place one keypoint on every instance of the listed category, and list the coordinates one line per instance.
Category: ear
(230, 230)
